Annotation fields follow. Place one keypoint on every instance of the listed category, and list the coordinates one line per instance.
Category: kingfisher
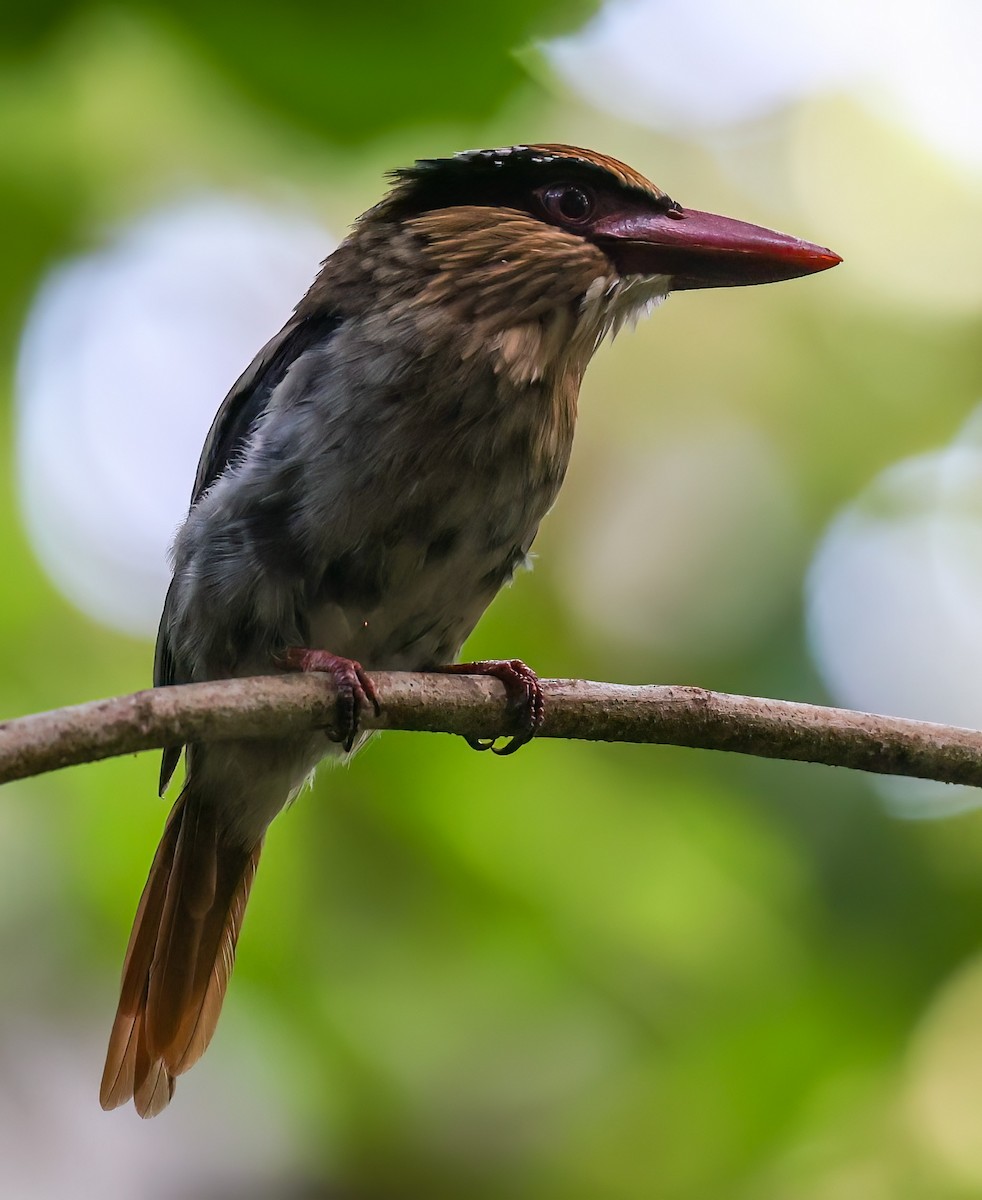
(368, 485)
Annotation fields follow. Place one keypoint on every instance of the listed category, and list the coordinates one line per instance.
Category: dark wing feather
(230, 431)
(246, 402)
(165, 673)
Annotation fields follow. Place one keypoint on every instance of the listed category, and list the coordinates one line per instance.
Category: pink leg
(354, 684)
(524, 698)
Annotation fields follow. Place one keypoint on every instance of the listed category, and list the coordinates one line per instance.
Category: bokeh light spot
(125, 358)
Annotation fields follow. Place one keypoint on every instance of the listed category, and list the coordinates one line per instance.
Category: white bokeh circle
(894, 602)
(125, 357)
(691, 69)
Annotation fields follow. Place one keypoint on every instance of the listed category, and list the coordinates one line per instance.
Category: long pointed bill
(701, 250)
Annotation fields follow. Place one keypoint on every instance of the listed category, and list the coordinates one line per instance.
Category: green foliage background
(588, 971)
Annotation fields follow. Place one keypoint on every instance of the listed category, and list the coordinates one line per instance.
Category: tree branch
(274, 706)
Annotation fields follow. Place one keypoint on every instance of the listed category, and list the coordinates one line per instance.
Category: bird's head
(520, 235)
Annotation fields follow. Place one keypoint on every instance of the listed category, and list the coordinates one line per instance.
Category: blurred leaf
(28, 27)
(354, 71)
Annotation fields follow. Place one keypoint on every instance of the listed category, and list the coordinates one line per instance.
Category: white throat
(611, 302)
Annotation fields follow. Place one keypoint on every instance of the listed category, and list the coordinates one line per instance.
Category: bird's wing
(236, 419)
(247, 401)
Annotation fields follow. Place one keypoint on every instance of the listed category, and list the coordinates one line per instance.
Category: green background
(587, 972)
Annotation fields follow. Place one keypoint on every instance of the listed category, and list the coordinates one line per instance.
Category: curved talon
(355, 686)
(524, 694)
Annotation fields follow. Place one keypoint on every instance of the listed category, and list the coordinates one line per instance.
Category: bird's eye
(568, 203)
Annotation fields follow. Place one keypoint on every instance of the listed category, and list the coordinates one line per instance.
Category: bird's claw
(525, 699)
(355, 686)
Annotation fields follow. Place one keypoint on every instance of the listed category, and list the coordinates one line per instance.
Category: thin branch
(274, 706)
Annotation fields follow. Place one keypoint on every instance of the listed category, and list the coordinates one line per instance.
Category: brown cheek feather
(502, 266)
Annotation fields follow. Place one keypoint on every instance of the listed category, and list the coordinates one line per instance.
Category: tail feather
(179, 958)
(212, 975)
(127, 1059)
(154, 1084)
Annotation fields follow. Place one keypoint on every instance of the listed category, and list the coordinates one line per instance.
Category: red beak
(701, 250)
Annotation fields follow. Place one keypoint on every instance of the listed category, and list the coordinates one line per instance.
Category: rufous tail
(179, 957)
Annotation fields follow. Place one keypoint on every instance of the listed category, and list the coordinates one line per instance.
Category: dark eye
(569, 203)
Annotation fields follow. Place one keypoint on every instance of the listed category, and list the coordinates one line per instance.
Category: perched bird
(369, 484)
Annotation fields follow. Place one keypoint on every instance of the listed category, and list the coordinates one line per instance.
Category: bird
(369, 484)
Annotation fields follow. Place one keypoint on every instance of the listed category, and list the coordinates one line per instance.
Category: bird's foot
(524, 694)
(356, 690)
